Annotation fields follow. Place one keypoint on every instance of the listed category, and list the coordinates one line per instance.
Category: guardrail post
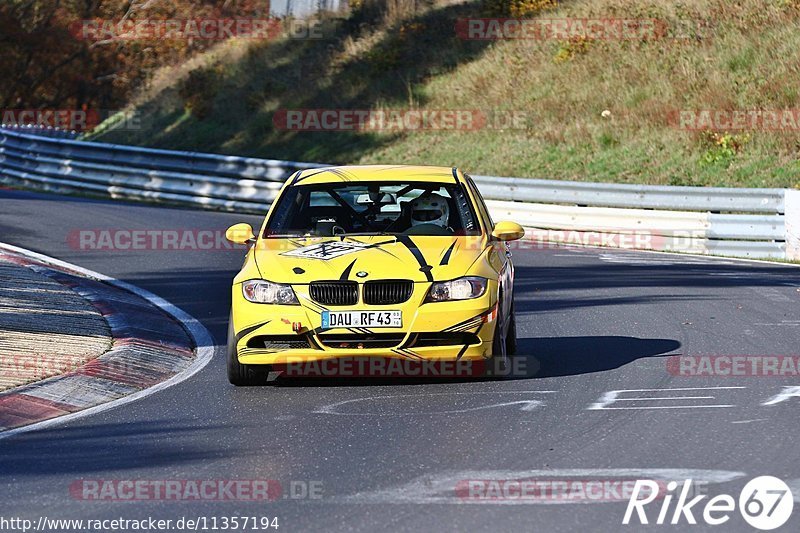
(792, 224)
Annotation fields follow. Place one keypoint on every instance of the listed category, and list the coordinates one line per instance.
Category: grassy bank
(599, 110)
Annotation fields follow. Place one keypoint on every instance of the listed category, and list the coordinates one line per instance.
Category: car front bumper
(428, 329)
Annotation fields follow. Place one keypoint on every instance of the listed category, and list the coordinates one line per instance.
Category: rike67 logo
(765, 503)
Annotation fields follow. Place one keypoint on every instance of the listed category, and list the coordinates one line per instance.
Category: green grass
(717, 55)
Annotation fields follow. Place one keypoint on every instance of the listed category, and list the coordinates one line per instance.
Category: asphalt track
(388, 455)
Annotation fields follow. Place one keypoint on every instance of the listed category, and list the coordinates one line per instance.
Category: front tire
(239, 374)
(511, 336)
(499, 345)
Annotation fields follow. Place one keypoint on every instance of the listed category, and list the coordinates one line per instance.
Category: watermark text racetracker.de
(547, 490)
(214, 239)
(182, 490)
(730, 120)
(541, 29)
(36, 365)
(209, 29)
(387, 367)
(153, 239)
(150, 523)
(580, 29)
(778, 366)
(396, 120)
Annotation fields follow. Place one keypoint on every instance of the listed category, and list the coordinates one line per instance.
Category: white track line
(200, 335)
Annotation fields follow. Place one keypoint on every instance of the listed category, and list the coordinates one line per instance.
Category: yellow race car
(399, 263)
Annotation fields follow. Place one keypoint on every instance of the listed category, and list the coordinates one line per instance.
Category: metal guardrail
(754, 236)
(739, 222)
(713, 199)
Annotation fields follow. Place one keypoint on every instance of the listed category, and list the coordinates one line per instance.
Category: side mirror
(240, 233)
(508, 231)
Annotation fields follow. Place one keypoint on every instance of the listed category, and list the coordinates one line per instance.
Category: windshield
(411, 208)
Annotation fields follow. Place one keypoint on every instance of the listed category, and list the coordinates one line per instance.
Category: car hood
(418, 258)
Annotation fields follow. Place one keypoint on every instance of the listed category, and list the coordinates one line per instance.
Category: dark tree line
(47, 63)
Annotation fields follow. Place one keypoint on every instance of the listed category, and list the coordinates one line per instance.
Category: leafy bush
(722, 147)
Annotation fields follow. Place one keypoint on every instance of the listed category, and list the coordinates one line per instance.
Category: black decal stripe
(470, 322)
(455, 327)
(409, 340)
(357, 331)
(313, 340)
(461, 351)
(387, 252)
(337, 172)
(464, 322)
(346, 274)
(424, 267)
(376, 245)
(310, 305)
(368, 246)
(465, 327)
(409, 352)
(250, 329)
(313, 306)
(455, 174)
(379, 244)
(446, 257)
(298, 179)
(347, 175)
(464, 349)
(405, 355)
(466, 346)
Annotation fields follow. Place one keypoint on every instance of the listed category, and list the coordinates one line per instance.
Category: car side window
(481, 205)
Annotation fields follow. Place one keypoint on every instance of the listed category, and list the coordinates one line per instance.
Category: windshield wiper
(366, 234)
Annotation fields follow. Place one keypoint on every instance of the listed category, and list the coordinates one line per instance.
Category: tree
(47, 61)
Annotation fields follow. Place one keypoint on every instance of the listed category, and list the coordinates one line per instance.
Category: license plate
(362, 319)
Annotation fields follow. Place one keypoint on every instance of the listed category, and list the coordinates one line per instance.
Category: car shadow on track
(537, 358)
(568, 356)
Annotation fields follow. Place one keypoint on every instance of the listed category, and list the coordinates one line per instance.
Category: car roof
(386, 173)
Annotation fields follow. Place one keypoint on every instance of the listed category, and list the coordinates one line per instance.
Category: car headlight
(464, 288)
(265, 292)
